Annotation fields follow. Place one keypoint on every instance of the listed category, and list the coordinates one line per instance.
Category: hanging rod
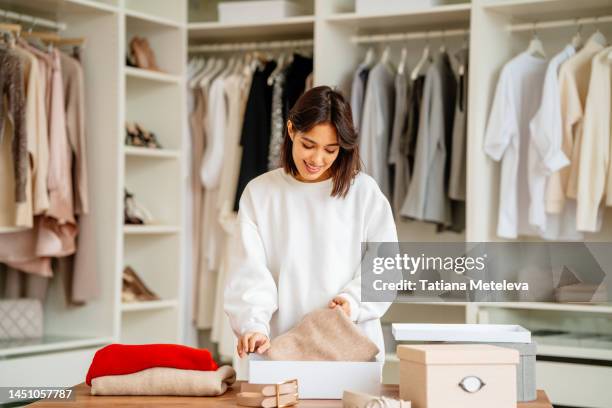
(417, 35)
(559, 23)
(35, 21)
(251, 46)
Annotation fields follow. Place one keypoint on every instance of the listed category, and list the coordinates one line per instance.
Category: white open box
(489, 333)
(318, 379)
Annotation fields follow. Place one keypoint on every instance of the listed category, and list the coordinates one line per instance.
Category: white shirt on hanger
(517, 98)
(546, 156)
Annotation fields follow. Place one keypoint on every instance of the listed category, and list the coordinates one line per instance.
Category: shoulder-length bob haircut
(324, 105)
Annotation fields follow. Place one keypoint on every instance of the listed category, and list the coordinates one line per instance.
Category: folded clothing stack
(157, 369)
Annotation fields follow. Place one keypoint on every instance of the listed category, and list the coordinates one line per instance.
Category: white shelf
(150, 229)
(574, 352)
(149, 305)
(560, 307)
(132, 151)
(152, 19)
(154, 76)
(436, 18)
(542, 10)
(60, 7)
(298, 27)
(49, 344)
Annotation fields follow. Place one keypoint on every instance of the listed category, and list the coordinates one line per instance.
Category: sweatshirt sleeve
(250, 296)
(593, 163)
(380, 228)
(502, 123)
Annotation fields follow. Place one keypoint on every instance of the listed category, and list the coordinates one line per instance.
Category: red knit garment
(117, 359)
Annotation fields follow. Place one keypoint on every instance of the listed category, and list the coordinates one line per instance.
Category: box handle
(471, 384)
(295, 381)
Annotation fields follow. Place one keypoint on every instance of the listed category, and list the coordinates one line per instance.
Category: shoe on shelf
(142, 55)
(136, 135)
(352, 399)
(138, 54)
(147, 138)
(150, 54)
(134, 213)
(132, 136)
(134, 289)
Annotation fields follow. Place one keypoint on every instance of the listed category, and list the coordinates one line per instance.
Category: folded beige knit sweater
(166, 381)
(324, 334)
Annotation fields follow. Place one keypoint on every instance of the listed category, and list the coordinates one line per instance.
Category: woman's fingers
(264, 346)
(243, 344)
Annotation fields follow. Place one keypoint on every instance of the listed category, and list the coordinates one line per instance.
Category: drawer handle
(471, 384)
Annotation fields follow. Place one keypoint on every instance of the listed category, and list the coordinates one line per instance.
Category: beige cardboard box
(458, 375)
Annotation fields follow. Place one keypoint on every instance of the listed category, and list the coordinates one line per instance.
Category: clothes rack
(560, 23)
(251, 46)
(35, 21)
(415, 35)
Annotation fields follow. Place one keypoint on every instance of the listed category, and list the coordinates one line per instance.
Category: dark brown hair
(324, 105)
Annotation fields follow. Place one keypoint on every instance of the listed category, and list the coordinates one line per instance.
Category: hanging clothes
(517, 98)
(277, 121)
(358, 88)
(375, 133)
(458, 163)
(255, 138)
(427, 197)
(574, 77)
(546, 157)
(398, 160)
(56, 177)
(594, 171)
(13, 143)
(295, 81)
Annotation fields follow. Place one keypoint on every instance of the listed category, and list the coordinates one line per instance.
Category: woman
(301, 229)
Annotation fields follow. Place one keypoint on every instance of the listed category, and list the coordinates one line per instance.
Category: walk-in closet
(181, 103)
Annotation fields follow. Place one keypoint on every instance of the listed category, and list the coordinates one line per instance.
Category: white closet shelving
(116, 93)
(157, 102)
(491, 45)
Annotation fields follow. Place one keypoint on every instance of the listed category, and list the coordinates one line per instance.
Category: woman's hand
(252, 342)
(342, 303)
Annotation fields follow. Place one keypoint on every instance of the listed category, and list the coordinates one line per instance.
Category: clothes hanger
(229, 68)
(195, 78)
(207, 79)
(280, 65)
(443, 45)
(536, 48)
(369, 57)
(577, 38)
(424, 59)
(598, 36)
(401, 68)
(385, 59)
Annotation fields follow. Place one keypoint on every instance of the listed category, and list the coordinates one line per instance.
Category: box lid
(525, 349)
(455, 354)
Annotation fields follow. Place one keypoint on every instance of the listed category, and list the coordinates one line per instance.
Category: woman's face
(314, 151)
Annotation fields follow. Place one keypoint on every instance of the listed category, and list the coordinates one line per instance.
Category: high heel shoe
(132, 136)
(134, 213)
(148, 138)
(134, 289)
(150, 54)
(138, 53)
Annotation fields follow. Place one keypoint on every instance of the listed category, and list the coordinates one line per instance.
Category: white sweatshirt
(298, 248)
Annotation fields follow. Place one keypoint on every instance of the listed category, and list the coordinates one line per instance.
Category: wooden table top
(83, 398)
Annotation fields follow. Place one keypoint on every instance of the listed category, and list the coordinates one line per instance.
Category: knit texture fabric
(324, 334)
(166, 381)
(117, 359)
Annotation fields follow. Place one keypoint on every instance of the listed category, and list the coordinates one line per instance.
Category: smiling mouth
(312, 169)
